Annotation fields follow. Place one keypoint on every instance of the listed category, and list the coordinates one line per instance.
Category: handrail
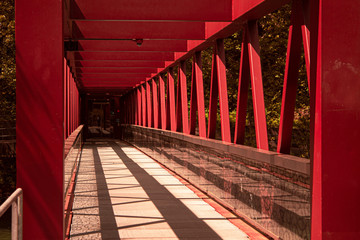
(16, 201)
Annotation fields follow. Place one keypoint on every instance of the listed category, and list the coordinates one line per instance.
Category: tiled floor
(123, 194)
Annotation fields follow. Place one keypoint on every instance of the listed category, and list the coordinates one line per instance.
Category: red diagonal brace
(197, 97)
(148, 104)
(219, 86)
(257, 86)
(143, 106)
(155, 104)
(162, 109)
(297, 30)
(170, 102)
(182, 119)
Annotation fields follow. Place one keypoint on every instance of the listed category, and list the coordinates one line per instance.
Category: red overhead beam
(200, 10)
(120, 64)
(149, 56)
(115, 70)
(130, 45)
(103, 30)
(112, 75)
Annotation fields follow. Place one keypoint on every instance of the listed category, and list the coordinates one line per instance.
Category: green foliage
(7, 57)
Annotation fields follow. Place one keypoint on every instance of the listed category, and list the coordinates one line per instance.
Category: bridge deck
(122, 193)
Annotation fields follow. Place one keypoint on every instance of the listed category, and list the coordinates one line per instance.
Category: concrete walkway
(123, 194)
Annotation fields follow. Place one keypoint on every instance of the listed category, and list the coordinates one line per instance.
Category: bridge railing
(16, 202)
(269, 190)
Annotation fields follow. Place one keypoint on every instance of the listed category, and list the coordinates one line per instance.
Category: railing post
(14, 220)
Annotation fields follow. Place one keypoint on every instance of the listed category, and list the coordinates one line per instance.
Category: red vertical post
(40, 116)
(291, 77)
(197, 97)
(148, 104)
(68, 99)
(182, 118)
(65, 113)
(117, 117)
(336, 178)
(257, 86)
(170, 102)
(136, 118)
(218, 87)
(143, 105)
(243, 88)
(155, 104)
(139, 106)
(162, 109)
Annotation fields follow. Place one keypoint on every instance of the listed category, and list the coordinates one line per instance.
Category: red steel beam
(143, 105)
(170, 102)
(141, 56)
(119, 64)
(155, 104)
(115, 70)
(138, 98)
(40, 117)
(291, 78)
(243, 88)
(148, 104)
(182, 118)
(218, 87)
(112, 75)
(103, 30)
(335, 174)
(197, 97)
(162, 108)
(130, 45)
(210, 10)
(257, 86)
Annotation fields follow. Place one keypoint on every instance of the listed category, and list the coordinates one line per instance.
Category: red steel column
(182, 118)
(219, 88)
(170, 102)
(68, 100)
(162, 109)
(291, 78)
(197, 97)
(336, 189)
(257, 86)
(40, 116)
(143, 106)
(155, 104)
(139, 107)
(65, 113)
(243, 88)
(148, 104)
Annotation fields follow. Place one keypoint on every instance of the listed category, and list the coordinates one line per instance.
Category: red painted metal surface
(155, 104)
(182, 118)
(243, 88)
(148, 104)
(162, 107)
(257, 86)
(139, 107)
(336, 188)
(219, 88)
(210, 10)
(40, 116)
(170, 102)
(291, 77)
(197, 97)
(143, 106)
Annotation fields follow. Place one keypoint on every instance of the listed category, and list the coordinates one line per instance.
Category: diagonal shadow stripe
(108, 224)
(181, 219)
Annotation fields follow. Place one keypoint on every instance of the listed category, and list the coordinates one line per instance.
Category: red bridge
(98, 121)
